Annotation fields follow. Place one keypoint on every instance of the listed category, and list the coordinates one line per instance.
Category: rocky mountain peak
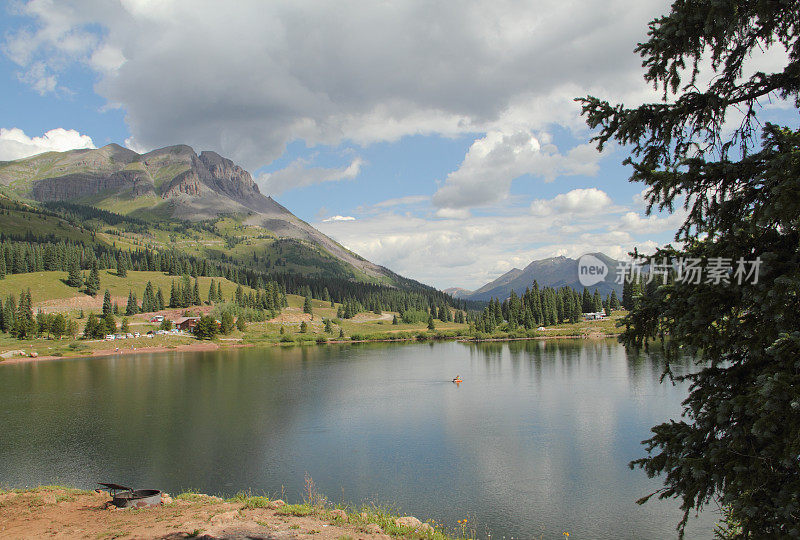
(226, 175)
(173, 181)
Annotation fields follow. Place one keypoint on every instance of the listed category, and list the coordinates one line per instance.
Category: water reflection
(537, 438)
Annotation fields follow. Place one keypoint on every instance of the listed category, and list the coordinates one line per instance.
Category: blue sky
(439, 139)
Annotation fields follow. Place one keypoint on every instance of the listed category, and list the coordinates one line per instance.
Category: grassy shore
(366, 327)
(51, 294)
(268, 334)
(33, 513)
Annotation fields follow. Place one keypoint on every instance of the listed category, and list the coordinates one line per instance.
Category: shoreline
(31, 513)
(100, 353)
(202, 346)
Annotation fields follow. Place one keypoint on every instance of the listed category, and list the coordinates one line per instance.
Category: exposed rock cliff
(187, 182)
(74, 186)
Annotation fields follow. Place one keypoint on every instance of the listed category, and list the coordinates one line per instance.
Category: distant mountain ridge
(168, 183)
(551, 272)
(457, 292)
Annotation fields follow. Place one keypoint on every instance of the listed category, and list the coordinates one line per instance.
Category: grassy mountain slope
(217, 204)
(51, 293)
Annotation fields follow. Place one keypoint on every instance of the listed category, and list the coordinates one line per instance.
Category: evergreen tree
(160, 300)
(560, 311)
(212, 293)
(303, 327)
(551, 305)
(577, 312)
(196, 293)
(239, 295)
(307, 305)
(627, 295)
(241, 325)
(613, 301)
(328, 326)
(93, 282)
(206, 328)
(74, 276)
(43, 323)
(9, 314)
(226, 323)
(737, 440)
(25, 323)
(512, 321)
(173, 297)
(536, 304)
(431, 325)
(185, 293)
(148, 299)
(587, 304)
(93, 329)
(109, 323)
(122, 271)
(597, 302)
(131, 308)
(72, 328)
(107, 308)
(124, 327)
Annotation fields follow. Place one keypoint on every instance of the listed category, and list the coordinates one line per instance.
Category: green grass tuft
(256, 502)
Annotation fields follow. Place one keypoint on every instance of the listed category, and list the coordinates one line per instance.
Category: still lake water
(535, 441)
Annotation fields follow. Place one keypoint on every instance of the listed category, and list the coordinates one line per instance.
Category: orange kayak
(457, 380)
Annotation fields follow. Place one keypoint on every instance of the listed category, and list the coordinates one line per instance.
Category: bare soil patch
(56, 512)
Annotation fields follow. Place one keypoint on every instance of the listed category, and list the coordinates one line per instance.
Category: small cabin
(186, 323)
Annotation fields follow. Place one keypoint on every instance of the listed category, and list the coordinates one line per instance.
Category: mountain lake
(535, 442)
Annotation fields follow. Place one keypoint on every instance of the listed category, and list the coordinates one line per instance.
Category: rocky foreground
(68, 513)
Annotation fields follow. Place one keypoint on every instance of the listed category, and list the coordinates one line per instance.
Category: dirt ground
(61, 513)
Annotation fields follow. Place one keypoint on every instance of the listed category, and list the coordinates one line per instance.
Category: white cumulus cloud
(494, 161)
(107, 58)
(298, 174)
(39, 77)
(14, 144)
(654, 223)
(450, 252)
(248, 79)
(578, 201)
